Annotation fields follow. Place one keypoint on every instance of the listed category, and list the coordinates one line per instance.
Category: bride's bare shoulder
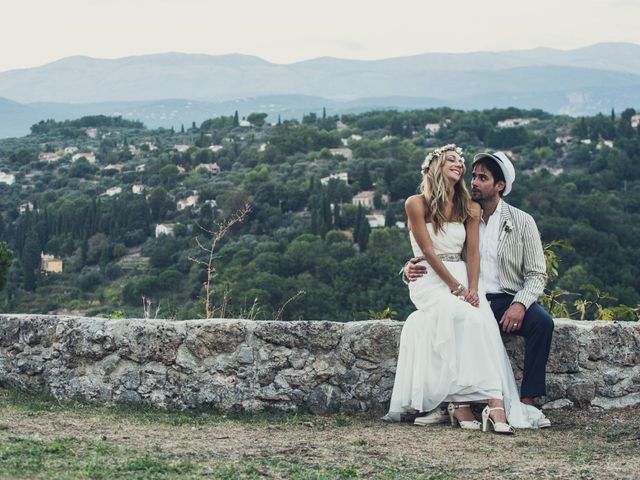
(476, 211)
(415, 202)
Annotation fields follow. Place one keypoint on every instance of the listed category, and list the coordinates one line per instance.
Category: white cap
(505, 165)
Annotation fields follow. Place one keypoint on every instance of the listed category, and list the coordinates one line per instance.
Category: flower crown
(431, 156)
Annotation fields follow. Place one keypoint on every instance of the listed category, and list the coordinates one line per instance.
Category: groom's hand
(512, 319)
(412, 271)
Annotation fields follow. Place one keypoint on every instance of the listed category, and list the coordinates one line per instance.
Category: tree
(30, 261)
(160, 203)
(6, 257)
(363, 234)
(257, 119)
(364, 179)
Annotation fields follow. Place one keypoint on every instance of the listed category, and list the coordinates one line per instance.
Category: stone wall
(241, 364)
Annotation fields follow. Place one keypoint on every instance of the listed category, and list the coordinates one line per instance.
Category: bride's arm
(415, 208)
(472, 226)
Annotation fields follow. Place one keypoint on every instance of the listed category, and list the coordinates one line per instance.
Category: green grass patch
(68, 458)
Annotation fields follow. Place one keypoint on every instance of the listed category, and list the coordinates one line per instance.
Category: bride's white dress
(449, 350)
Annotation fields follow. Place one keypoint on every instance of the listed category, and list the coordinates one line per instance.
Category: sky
(35, 32)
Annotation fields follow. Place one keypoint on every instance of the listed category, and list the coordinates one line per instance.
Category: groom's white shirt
(489, 237)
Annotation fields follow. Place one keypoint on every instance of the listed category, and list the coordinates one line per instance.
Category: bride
(450, 348)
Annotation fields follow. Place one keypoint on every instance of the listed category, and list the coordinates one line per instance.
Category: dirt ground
(581, 444)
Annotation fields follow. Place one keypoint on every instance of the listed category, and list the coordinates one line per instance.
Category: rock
(558, 404)
(244, 354)
(10, 331)
(151, 340)
(620, 402)
(319, 335)
(324, 399)
(207, 338)
(581, 391)
(128, 396)
(186, 360)
(374, 340)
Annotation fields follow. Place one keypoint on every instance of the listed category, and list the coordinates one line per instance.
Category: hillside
(121, 206)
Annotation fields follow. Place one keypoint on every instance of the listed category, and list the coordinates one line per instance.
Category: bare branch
(215, 236)
(281, 310)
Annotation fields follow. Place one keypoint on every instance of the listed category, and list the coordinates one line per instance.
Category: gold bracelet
(459, 289)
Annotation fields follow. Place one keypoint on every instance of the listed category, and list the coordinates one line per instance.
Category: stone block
(206, 338)
(318, 335)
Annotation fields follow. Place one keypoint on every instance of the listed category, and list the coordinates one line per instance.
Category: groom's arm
(534, 265)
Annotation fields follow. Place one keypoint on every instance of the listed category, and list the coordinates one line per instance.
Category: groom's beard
(478, 197)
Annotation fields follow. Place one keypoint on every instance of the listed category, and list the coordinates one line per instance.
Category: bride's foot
(462, 416)
(494, 415)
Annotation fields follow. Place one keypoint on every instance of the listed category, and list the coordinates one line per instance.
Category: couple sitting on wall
(479, 267)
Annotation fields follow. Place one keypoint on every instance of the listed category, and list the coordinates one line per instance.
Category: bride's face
(453, 167)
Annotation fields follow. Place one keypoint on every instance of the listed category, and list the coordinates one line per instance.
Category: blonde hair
(434, 188)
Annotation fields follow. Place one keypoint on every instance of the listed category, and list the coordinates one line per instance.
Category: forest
(106, 217)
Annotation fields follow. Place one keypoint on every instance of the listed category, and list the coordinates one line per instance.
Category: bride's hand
(471, 296)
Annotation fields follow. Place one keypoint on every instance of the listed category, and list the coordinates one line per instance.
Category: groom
(512, 268)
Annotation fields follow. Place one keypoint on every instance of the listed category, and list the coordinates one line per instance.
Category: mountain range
(176, 88)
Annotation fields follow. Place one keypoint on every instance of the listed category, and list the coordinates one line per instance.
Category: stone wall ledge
(248, 365)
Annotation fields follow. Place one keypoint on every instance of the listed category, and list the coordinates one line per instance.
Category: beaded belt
(450, 257)
(446, 257)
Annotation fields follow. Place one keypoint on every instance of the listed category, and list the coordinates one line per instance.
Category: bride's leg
(497, 415)
(463, 412)
(494, 416)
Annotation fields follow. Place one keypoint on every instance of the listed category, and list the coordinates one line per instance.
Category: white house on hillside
(514, 122)
(364, 198)
(190, 201)
(7, 178)
(24, 207)
(113, 166)
(49, 156)
(110, 192)
(212, 168)
(564, 139)
(89, 156)
(376, 220)
(165, 229)
(345, 152)
(432, 128)
(342, 176)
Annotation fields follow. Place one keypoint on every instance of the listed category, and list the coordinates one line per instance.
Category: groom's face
(483, 185)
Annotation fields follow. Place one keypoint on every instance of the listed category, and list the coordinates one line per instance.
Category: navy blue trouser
(537, 329)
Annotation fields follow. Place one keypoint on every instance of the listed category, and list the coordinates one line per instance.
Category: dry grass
(40, 438)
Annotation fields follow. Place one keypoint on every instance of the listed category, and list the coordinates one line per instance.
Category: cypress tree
(365, 178)
(337, 220)
(326, 213)
(30, 260)
(389, 217)
(358, 222)
(363, 234)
